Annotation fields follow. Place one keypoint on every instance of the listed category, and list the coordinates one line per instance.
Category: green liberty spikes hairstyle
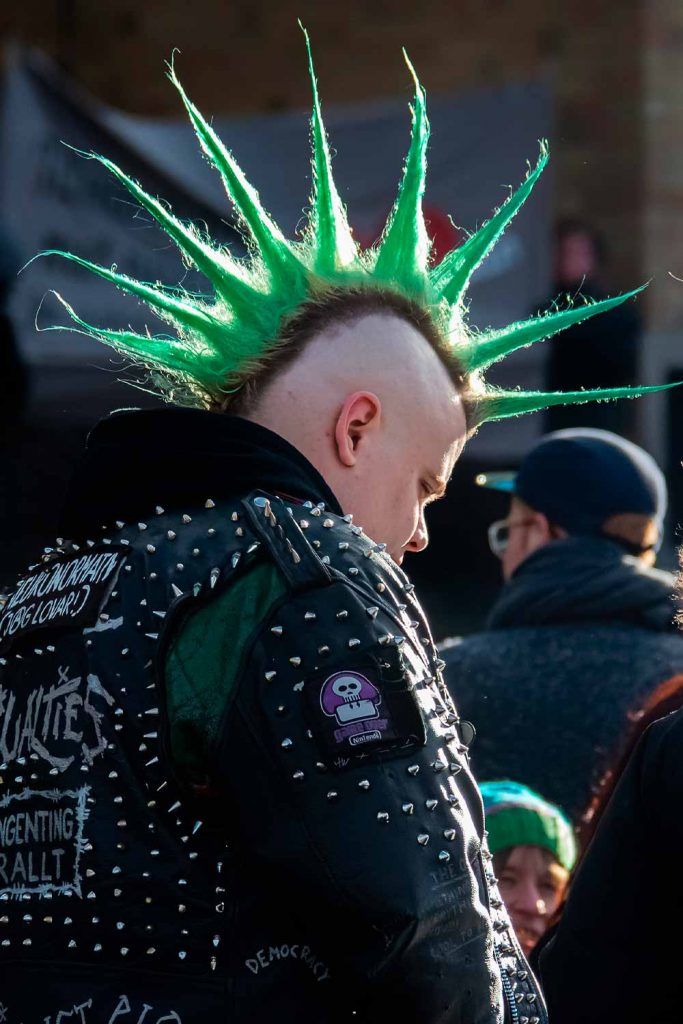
(221, 346)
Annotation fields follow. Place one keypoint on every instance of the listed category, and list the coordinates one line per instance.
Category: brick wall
(242, 56)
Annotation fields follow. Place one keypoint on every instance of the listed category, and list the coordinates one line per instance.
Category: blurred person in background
(619, 930)
(583, 628)
(664, 699)
(533, 849)
(591, 353)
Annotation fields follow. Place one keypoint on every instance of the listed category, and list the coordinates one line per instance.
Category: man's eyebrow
(439, 486)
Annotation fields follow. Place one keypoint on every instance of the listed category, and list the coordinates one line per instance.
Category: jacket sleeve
(380, 850)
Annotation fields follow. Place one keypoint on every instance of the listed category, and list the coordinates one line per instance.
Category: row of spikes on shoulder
(218, 340)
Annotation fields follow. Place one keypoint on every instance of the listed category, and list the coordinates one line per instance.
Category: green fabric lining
(203, 662)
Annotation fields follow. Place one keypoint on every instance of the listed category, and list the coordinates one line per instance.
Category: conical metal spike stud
(187, 519)
(408, 808)
(209, 503)
(295, 661)
(444, 856)
(423, 839)
(171, 534)
(383, 817)
(431, 804)
(449, 834)
(364, 784)
(142, 526)
(354, 642)
(413, 769)
(310, 616)
(343, 614)
(177, 592)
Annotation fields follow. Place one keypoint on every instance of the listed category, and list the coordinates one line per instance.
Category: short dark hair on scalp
(330, 306)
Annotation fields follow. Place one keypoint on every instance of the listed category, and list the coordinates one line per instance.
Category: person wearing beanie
(534, 851)
(583, 628)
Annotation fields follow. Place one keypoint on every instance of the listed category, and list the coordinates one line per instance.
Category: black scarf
(135, 460)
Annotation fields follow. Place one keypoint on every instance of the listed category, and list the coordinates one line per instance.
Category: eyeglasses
(499, 534)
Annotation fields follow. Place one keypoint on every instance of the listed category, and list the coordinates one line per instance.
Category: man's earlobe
(359, 417)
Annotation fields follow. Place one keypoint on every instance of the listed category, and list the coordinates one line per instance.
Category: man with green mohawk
(235, 786)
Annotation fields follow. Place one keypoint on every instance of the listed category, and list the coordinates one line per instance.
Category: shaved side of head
(373, 406)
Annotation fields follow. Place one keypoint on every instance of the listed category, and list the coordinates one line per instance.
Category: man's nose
(420, 539)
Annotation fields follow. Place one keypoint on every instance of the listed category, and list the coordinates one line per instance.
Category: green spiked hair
(221, 344)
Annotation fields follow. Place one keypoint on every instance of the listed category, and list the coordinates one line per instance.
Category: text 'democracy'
(41, 839)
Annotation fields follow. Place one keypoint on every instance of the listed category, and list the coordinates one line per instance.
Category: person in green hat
(533, 849)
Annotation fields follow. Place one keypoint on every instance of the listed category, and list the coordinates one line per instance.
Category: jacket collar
(135, 460)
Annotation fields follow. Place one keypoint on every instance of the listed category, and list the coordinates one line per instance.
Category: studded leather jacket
(334, 867)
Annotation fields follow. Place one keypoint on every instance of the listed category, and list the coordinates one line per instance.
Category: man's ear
(359, 417)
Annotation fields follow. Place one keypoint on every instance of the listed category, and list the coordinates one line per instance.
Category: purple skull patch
(351, 699)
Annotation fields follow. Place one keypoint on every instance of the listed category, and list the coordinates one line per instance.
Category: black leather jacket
(335, 866)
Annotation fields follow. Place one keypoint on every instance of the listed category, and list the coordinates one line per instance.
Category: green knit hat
(518, 816)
